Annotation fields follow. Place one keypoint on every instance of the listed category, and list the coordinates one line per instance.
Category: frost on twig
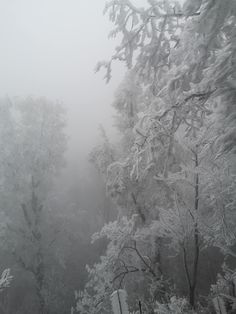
(5, 279)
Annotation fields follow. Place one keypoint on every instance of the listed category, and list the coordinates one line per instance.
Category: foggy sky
(50, 48)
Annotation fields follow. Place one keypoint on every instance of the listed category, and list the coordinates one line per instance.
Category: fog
(136, 216)
(50, 48)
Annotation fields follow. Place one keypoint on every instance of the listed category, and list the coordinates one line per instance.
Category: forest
(149, 225)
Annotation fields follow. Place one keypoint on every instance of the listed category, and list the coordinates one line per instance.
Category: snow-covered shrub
(224, 291)
(175, 306)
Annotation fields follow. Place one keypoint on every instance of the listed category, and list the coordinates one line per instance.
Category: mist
(117, 185)
(50, 49)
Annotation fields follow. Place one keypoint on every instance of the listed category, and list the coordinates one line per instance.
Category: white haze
(50, 48)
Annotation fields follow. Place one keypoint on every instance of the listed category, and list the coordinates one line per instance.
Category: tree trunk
(196, 238)
(192, 272)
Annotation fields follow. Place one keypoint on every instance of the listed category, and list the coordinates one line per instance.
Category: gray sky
(50, 48)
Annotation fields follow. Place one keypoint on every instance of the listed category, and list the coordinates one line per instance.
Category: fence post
(219, 305)
(119, 302)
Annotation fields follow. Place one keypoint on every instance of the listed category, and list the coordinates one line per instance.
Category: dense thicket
(173, 176)
(159, 205)
(46, 220)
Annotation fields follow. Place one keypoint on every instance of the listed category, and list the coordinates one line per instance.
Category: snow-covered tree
(32, 145)
(177, 175)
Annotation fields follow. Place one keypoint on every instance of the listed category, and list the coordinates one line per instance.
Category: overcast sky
(50, 48)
